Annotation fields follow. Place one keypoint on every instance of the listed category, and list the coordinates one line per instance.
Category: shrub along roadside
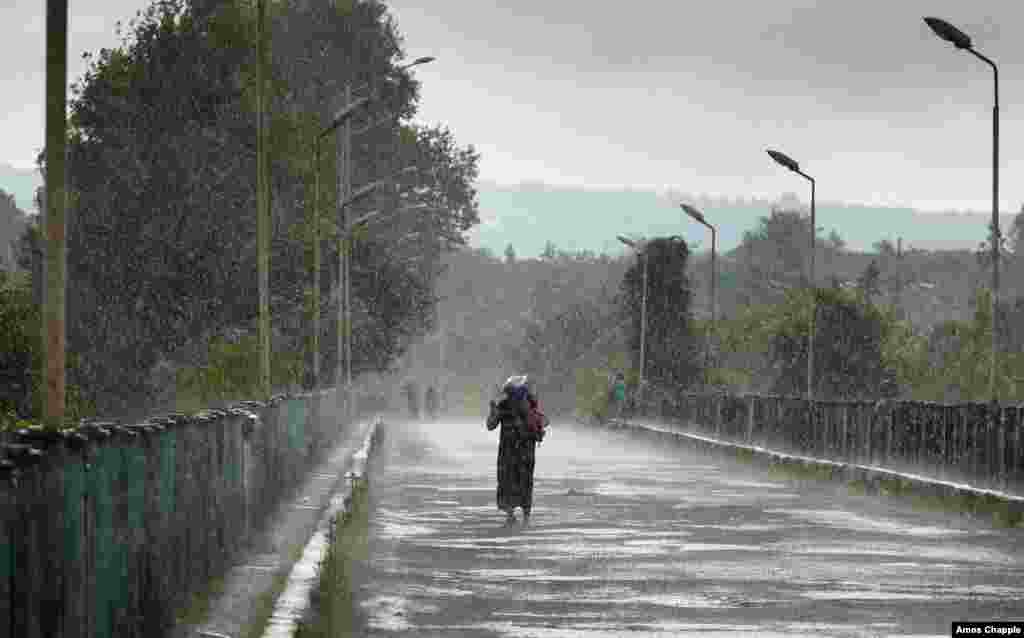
(332, 609)
(231, 373)
(21, 356)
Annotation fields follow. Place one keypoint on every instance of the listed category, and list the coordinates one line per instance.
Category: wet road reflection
(631, 536)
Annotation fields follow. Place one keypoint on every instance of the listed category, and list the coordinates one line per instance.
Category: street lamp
(789, 163)
(961, 40)
(344, 179)
(640, 246)
(345, 309)
(312, 380)
(699, 217)
(262, 203)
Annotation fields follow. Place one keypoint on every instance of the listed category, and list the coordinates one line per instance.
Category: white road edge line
(963, 487)
(294, 599)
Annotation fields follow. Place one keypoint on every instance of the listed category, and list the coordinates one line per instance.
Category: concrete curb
(294, 600)
(874, 479)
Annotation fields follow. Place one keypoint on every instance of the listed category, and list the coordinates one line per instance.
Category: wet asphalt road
(630, 537)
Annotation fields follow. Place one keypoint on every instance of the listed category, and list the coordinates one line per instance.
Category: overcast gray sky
(684, 94)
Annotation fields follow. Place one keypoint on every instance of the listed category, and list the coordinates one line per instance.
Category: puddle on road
(741, 527)
(503, 574)
(607, 561)
(398, 530)
(752, 484)
(387, 613)
(707, 500)
(444, 484)
(869, 594)
(856, 522)
(651, 630)
(529, 614)
(950, 553)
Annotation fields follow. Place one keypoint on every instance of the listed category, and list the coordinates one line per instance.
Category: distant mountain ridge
(21, 183)
(529, 215)
(574, 218)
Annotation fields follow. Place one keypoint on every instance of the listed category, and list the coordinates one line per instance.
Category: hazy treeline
(572, 318)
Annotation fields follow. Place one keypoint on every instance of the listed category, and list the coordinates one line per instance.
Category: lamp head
(948, 32)
(693, 212)
(784, 160)
(427, 59)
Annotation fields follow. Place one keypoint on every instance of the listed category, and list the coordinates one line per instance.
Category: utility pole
(313, 374)
(262, 204)
(643, 328)
(750, 274)
(713, 275)
(899, 275)
(962, 41)
(344, 151)
(55, 264)
(640, 247)
(787, 162)
(345, 196)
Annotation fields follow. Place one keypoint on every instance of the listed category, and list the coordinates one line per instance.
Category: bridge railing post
(841, 441)
(1013, 452)
(751, 403)
(1001, 450)
(717, 400)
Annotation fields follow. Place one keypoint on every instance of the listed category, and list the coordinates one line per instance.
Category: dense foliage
(161, 245)
(20, 355)
(848, 341)
(672, 350)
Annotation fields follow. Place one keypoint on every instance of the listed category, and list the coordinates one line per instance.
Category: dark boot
(510, 518)
(526, 516)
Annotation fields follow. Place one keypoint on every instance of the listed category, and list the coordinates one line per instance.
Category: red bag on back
(536, 421)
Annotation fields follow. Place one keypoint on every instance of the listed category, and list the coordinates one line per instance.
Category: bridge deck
(631, 537)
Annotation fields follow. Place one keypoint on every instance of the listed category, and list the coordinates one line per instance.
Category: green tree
(836, 242)
(1016, 233)
(959, 358)
(21, 356)
(984, 250)
(12, 224)
(848, 347)
(162, 168)
(884, 247)
(869, 281)
(510, 254)
(777, 251)
(672, 349)
(550, 250)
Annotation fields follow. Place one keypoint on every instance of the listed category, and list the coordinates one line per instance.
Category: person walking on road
(518, 439)
(431, 401)
(617, 395)
(412, 395)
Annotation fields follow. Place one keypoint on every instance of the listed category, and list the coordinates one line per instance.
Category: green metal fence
(108, 530)
(971, 442)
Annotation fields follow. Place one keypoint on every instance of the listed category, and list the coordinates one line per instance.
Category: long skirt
(515, 472)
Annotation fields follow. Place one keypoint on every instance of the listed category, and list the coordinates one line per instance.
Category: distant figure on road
(617, 396)
(413, 397)
(517, 445)
(431, 401)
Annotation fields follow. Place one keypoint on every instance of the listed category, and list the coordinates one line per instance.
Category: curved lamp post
(344, 339)
(699, 217)
(640, 246)
(961, 40)
(789, 163)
